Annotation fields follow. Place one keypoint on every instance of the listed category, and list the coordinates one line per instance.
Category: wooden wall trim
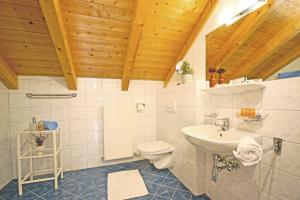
(7, 75)
(54, 19)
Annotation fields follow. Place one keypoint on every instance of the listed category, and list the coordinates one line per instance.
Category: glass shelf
(234, 89)
(39, 153)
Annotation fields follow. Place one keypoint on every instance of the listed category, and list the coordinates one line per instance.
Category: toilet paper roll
(140, 107)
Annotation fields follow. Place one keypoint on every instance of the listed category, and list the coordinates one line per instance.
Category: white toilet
(159, 153)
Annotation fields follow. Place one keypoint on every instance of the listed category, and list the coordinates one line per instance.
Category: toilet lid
(151, 147)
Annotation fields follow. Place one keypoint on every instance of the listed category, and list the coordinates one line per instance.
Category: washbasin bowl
(210, 138)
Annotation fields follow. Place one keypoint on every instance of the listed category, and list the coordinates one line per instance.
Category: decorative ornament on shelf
(187, 73)
(221, 72)
(212, 80)
(39, 141)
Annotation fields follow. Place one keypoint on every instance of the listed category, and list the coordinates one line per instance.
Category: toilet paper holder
(140, 107)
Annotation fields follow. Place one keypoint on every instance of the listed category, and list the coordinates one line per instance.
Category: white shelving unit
(233, 89)
(27, 151)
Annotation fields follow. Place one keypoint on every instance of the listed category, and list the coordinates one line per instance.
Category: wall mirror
(264, 43)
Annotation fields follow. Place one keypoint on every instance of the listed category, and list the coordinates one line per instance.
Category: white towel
(249, 152)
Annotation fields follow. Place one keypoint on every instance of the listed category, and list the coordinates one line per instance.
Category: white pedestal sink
(210, 138)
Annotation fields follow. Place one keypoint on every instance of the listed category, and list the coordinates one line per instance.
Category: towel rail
(277, 146)
(31, 95)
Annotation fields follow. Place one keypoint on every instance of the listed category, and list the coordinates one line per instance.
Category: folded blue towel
(48, 125)
(288, 74)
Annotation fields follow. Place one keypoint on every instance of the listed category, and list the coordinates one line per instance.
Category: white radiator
(118, 131)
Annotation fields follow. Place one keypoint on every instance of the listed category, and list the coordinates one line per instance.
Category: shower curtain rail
(31, 95)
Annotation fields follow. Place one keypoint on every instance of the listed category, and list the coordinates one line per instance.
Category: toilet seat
(154, 147)
(160, 154)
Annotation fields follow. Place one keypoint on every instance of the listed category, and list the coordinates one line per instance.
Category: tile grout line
(137, 166)
(28, 191)
(160, 185)
(175, 189)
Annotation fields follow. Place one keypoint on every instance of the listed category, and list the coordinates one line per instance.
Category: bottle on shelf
(33, 125)
(221, 72)
(212, 80)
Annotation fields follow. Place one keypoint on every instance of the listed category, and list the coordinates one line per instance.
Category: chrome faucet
(223, 123)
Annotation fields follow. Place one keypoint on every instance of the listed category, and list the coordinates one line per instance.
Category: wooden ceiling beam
(250, 24)
(7, 75)
(54, 19)
(284, 61)
(191, 39)
(271, 46)
(135, 33)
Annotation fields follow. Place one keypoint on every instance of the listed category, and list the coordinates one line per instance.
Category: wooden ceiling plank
(191, 5)
(99, 59)
(100, 74)
(168, 43)
(34, 55)
(13, 45)
(135, 33)
(143, 63)
(195, 32)
(250, 24)
(164, 34)
(127, 5)
(7, 75)
(20, 11)
(104, 55)
(23, 25)
(14, 63)
(84, 32)
(24, 36)
(96, 10)
(23, 2)
(39, 71)
(95, 22)
(271, 47)
(165, 10)
(53, 15)
(168, 24)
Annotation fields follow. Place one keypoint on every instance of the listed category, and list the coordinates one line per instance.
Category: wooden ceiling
(259, 44)
(124, 39)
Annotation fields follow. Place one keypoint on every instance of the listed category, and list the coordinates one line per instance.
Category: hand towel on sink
(248, 152)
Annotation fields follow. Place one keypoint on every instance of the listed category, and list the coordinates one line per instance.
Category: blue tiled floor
(91, 184)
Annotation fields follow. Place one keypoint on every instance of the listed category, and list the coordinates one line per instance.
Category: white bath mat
(125, 185)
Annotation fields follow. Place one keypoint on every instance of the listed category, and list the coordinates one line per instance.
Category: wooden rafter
(241, 34)
(136, 30)
(190, 40)
(54, 19)
(287, 59)
(272, 46)
(7, 75)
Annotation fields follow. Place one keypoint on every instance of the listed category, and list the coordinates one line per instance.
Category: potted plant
(187, 72)
(39, 140)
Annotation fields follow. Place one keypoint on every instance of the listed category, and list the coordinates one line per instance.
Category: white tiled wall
(192, 104)
(276, 177)
(80, 118)
(5, 158)
(189, 162)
